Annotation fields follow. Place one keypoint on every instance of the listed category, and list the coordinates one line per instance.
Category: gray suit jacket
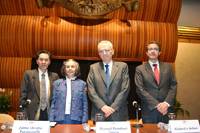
(150, 92)
(119, 86)
(30, 89)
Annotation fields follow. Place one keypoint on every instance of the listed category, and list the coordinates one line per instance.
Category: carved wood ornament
(91, 9)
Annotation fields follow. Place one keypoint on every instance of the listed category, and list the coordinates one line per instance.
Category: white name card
(113, 127)
(177, 126)
(21, 126)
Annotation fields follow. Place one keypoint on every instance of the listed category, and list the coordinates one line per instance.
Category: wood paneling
(25, 35)
(12, 70)
(150, 10)
(11, 73)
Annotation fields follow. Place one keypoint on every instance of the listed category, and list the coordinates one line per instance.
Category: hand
(162, 108)
(107, 110)
(164, 113)
(85, 89)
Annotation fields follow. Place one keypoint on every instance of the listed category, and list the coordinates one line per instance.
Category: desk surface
(147, 128)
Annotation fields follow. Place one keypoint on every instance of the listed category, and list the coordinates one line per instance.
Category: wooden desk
(147, 128)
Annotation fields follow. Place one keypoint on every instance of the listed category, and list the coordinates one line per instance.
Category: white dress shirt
(69, 95)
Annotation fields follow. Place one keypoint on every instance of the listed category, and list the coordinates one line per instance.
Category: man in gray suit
(108, 85)
(156, 86)
(31, 88)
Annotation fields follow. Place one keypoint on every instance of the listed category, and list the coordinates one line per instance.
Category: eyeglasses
(41, 59)
(151, 49)
(106, 50)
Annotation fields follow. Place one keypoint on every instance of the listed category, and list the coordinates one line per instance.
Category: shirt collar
(151, 63)
(70, 78)
(40, 72)
(110, 64)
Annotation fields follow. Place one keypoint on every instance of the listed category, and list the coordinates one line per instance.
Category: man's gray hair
(105, 41)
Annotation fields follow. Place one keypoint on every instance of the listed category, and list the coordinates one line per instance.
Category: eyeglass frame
(155, 49)
(105, 50)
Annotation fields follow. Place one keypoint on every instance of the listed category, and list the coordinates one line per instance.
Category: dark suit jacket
(119, 87)
(150, 92)
(30, 89)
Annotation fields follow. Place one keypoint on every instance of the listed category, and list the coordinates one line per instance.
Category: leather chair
(6, 118)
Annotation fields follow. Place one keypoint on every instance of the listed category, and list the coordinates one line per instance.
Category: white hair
(105, 42)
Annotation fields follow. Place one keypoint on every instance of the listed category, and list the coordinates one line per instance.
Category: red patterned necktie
(156, 72)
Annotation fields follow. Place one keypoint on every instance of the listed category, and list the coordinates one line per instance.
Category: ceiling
(190, 13)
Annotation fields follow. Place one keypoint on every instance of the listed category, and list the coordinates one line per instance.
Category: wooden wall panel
(25, 35)
(12, 70)
(11, 73)
(150, 10)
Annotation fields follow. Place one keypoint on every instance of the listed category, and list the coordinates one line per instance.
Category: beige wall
(188, 76)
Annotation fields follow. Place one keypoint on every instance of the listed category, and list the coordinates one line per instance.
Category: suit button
(73, 98)
(35, 111)
(72, 89)
(38, 103)
(72, 109)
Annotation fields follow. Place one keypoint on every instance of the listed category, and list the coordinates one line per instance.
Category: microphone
(136, 105)
(26, 103)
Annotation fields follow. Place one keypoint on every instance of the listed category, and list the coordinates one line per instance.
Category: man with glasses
(156, 86)
(37, 86)
(108, 85)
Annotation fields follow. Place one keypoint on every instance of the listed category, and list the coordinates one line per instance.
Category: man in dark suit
(156, 86)
(108, 85)
(38, 92)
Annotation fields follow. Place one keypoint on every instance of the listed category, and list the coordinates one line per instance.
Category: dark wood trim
(94, 58)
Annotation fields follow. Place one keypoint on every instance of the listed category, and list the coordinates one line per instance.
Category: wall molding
(188, 34)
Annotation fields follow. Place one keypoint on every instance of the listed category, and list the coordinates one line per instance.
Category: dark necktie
(44, 97)
(107, 81)
(156, 72)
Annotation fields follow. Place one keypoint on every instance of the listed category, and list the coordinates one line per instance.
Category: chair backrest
(6, 118)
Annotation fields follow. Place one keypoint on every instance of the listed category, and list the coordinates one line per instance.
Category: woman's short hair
(77, 71)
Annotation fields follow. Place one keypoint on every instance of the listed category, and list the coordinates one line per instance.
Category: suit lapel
(149, 70)
(50, 84)
(162, 68)
(113, 72)
(36, 83)
(102, 72)
(50, 80)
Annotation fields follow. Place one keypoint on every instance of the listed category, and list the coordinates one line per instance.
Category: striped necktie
(44, 97)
